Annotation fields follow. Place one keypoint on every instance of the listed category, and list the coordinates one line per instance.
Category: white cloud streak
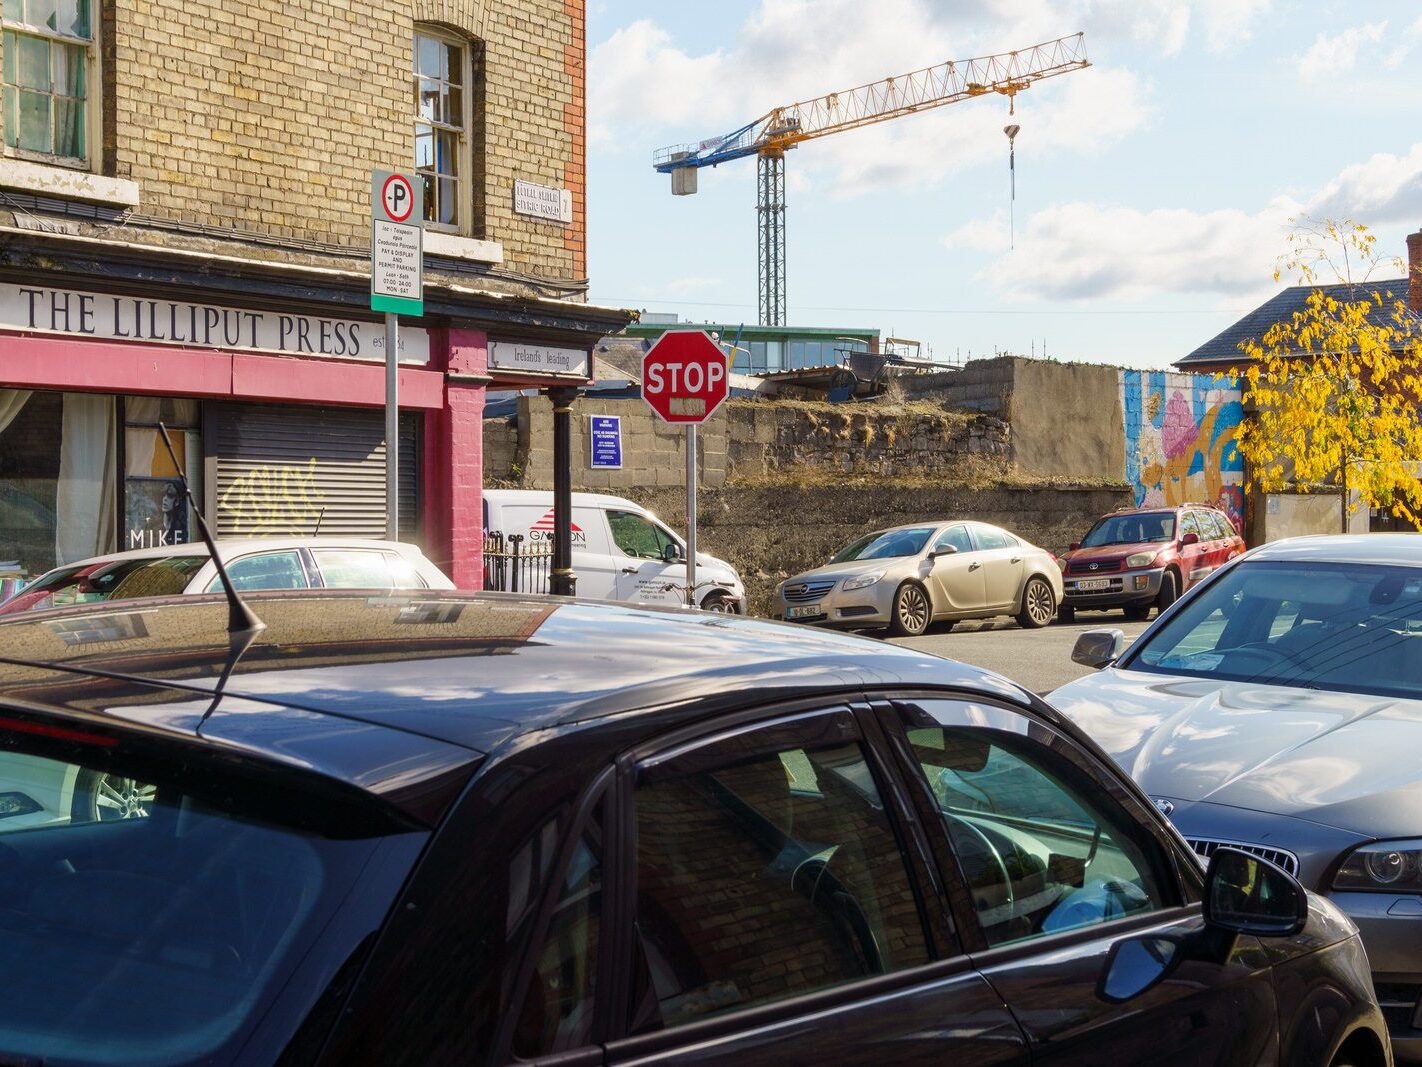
(1087, 251)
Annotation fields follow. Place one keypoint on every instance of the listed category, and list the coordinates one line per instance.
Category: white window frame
(93, 95)
(464, 209)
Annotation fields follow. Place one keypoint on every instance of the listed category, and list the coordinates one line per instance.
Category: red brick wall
(454, 461)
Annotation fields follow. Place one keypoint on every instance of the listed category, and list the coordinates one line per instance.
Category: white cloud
(647, 88)
(1331, 56)
(686, 286)
(1086, 251)
(1082, 251)
(1386, 188)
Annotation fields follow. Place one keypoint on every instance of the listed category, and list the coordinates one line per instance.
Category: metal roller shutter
(276, 471)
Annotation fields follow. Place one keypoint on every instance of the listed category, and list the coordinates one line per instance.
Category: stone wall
(749, 440)
(771, 532)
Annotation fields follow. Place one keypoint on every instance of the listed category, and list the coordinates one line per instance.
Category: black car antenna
(241, 619)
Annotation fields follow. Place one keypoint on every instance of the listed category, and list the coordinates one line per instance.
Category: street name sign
(684, 377)
(397, 261)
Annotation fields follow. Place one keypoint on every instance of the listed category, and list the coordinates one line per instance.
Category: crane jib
(1006, 73)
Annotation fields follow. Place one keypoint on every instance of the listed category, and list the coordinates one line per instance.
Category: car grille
(804, 592)
(1100, 566)
(1279, 857)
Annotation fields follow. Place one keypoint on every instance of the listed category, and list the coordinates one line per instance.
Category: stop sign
(684, 376)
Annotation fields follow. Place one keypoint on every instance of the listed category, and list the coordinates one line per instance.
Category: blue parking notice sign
(606, 451)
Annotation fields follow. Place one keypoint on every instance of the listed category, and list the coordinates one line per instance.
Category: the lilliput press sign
(154, 320)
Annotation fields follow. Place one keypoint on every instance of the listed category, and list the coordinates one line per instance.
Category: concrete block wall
(268, 117)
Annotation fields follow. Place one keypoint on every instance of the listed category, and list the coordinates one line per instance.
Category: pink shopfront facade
(271, 382)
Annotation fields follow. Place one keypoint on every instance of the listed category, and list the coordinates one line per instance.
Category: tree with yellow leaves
(1332, 394)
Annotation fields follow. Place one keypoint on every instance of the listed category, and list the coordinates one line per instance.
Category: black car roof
(466, 670)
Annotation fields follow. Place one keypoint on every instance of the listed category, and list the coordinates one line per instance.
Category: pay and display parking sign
(397, 243)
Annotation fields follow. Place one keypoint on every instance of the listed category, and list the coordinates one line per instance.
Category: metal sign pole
(691, 514)
(392, 426)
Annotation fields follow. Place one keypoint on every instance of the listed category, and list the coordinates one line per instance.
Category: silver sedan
(908, 577)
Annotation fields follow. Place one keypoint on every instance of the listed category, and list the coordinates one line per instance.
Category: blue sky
(1153, 189)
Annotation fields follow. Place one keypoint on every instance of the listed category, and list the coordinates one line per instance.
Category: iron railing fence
(514, 563)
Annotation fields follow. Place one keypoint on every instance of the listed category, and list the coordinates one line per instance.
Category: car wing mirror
(943, 550)
(1099, 648)
(1247, 894)
(672, 553)
(1073, 546)
(1189, 539)
(1136, 965)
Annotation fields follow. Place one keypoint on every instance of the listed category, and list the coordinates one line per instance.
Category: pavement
(1040, 660)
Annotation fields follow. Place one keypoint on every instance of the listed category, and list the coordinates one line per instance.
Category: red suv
(1145, 557)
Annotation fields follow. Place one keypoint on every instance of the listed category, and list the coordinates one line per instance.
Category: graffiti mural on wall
(1180, 440)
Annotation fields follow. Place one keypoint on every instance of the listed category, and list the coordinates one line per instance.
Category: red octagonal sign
(684, 376)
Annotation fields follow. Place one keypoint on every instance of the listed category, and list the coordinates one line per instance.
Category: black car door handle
(1016, 559)
(974, 566)
(629, 570)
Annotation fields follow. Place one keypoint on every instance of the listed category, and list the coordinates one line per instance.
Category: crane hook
(1012, 132)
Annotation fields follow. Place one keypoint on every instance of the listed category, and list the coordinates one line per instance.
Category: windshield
(157, 913)
(1136, 528)
(887, 544)
(122, 580)
(1350, 627)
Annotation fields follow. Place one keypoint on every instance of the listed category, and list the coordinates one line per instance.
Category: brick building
(185, 235)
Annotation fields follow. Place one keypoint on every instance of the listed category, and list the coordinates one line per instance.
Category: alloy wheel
(1039, 603)
(913, 609)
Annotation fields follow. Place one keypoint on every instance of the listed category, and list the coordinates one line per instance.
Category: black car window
(1040, 849)
(956, 537)
(1130, 528)
(636, 536)
(265, 570)
(1349, 627)
(557, 1012)
(990, 537)
(766, 868)
(156, 912)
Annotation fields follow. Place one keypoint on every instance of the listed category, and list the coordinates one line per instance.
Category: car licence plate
(1090, 584)
(804, 611)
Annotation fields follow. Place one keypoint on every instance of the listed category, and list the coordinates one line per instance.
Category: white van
(621, 551)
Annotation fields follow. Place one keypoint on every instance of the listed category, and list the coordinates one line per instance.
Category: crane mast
(782, 128)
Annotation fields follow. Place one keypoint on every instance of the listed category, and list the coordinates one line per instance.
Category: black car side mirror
(671, 553)
(1247, 894)
(1137, 965)
(1099, 648)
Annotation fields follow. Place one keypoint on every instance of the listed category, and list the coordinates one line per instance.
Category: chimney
(1414, 271)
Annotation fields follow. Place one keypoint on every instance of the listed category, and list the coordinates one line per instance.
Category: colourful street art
(1180, 440)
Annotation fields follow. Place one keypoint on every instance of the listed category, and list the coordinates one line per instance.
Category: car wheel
(912, 611)
(1169, 591)
(1039, 605)
(1138, 612)
(719, 602)
(1066, 614)
(103, 797)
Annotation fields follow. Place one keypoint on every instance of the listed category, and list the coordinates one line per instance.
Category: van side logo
(542, 530)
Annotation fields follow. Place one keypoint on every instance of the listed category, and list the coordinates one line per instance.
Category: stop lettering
(684, 376)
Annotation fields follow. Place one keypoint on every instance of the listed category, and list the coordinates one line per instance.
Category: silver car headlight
(1140, 559)
(863, 581)
(1385, 867)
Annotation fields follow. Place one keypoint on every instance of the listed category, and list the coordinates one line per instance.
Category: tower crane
(769, 137)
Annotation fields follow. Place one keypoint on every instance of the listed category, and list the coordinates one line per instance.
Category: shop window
(445, 75)
(155, 510)
(57, 480)
(45, 103)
